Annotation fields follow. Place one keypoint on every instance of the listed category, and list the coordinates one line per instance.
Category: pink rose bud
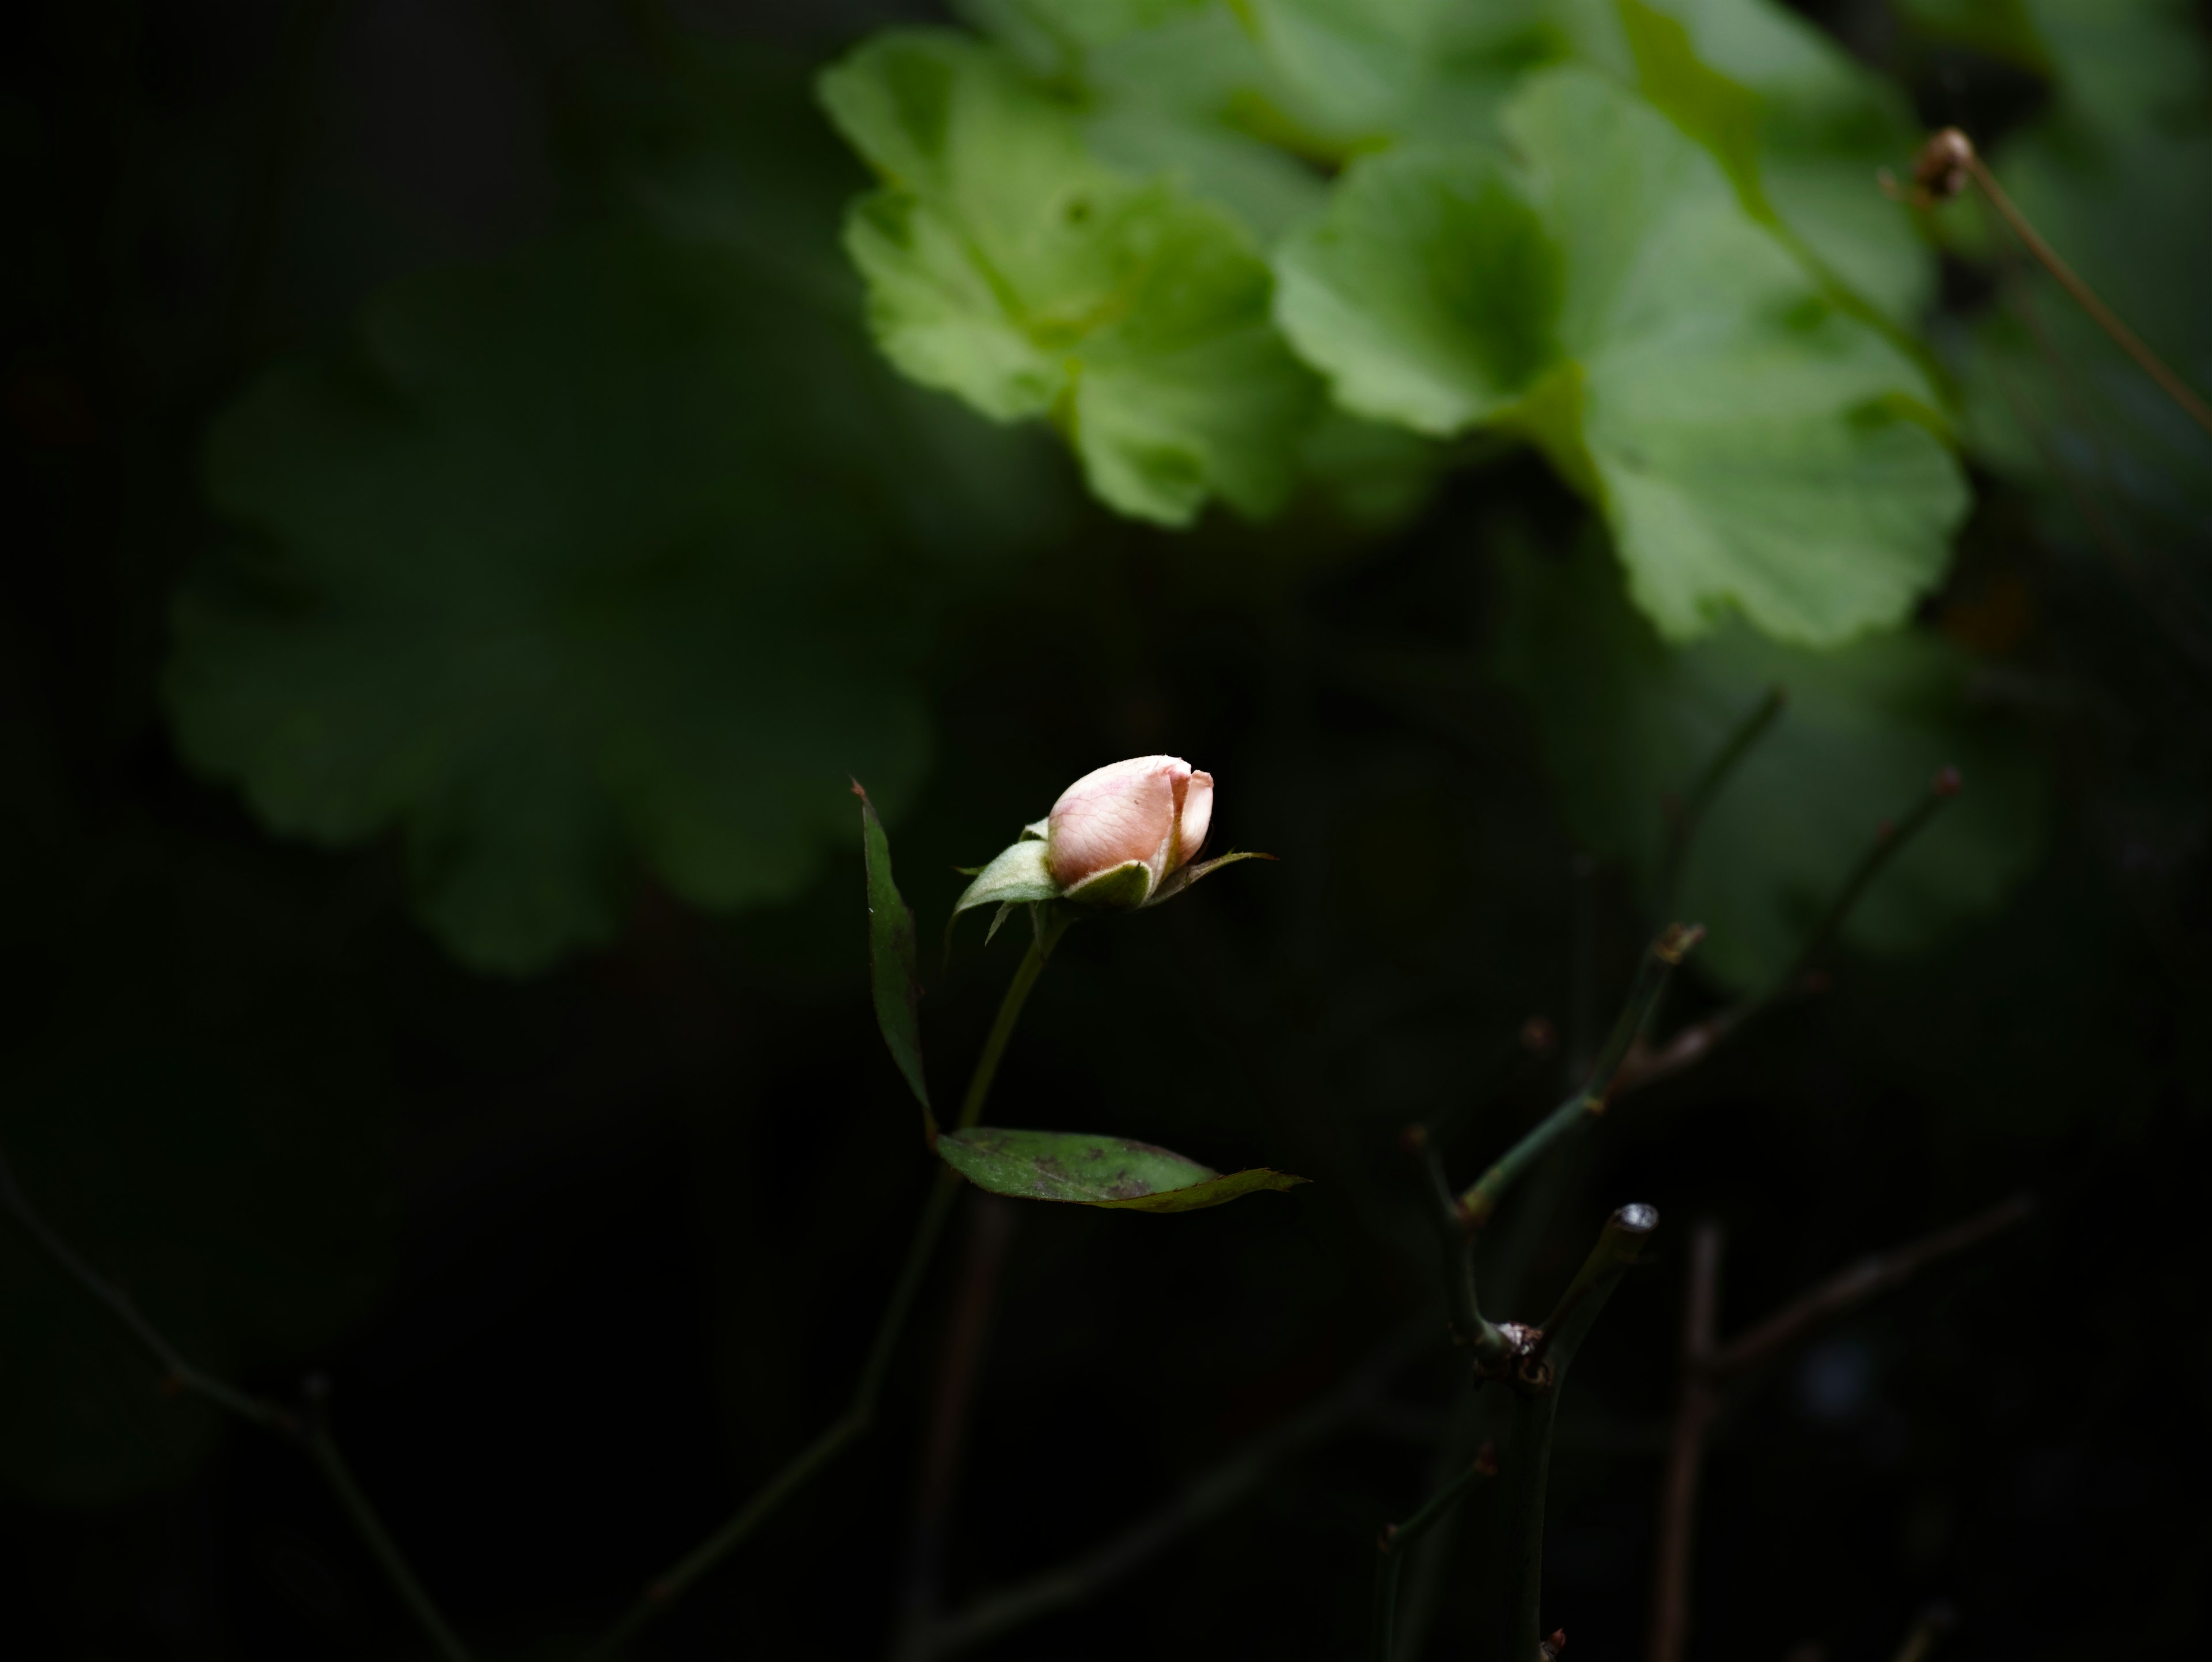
(1116, 835)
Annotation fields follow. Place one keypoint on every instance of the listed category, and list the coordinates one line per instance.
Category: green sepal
(1074, 1168)
(893, 967)
(1118, 888)
(1036, 829)
(1178, 881)
(1016, 874)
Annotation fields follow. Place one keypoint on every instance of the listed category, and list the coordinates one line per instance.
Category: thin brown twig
(1927, 1633)
(2086, 297)
(991, 1222)
(1086, 1575)
(1698, 1400)
(1942, 168)
(1707, 1368)
(309, 1433)
(1864, 1280)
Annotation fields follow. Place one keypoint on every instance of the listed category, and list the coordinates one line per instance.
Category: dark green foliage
(505, 469)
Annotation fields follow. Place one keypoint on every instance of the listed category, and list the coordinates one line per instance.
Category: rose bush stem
(1697, 1041)
(1508, 1622)
(855, 1422)
(1390, 1550)
(310, 1434)
(1697, 1400)
(1683, 817)
(1480, 1199)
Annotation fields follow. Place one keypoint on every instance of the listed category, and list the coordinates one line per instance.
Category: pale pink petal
(1116, 813)
(1197, 815)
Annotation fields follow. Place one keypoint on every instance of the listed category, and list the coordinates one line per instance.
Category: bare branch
(1085, 1577)
(1853, 1287)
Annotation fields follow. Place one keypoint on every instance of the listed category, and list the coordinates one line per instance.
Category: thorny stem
(1480, 1199)
(1684, 816)
(310, 1434)
(1509, 1621)
(1390, 1550)
(1456, 1260)
(849, 1427)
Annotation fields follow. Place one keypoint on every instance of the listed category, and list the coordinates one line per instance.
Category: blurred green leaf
(1006, 264)
(725, 144)
(1429, 295)
(566, 563)
(1753, 447)
(1625, 720)
(894, 969)
(1800, 127)
(1093, 1171)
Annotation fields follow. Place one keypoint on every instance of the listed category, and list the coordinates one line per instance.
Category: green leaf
(1006, 264)
(1799, 126)
(570, 565)
(1093, 1171)
(1753, 448)
(894, 968)
(1428, 295)
(1625, 720)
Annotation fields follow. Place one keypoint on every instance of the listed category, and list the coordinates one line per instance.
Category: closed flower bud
(1116, 834)
(1119, 838)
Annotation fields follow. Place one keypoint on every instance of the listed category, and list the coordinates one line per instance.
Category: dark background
(587, 1252)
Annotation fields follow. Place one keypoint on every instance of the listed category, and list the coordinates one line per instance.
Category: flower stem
(855, 1421)
(1480, 1199)
(1051, 923)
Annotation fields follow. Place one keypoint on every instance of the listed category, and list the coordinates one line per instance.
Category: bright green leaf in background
(1430, 294)
(1075, 1167)
(1800, 127)
(1006, 264)
(1625, 720)
(1753, 448)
